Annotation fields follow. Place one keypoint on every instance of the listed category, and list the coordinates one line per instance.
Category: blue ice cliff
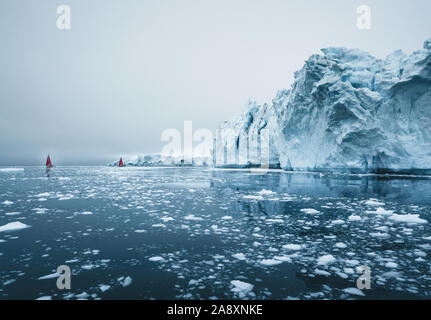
(346, 110)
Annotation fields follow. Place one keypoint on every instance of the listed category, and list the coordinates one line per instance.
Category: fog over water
(128, 70)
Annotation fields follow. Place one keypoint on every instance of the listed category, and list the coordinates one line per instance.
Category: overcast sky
(127, 70)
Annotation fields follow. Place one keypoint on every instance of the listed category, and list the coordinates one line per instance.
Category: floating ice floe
(253, 197)
(42, 195)
(408, 218)
(241, 288)
(322, 272)
(274, 221)
(104, 287)
(157, 259)
(45, 298)
(310, 211)
(293, 247)
(354, 218)
(339, 221)
(12, 213)
(191, 217)
(266, 192)
(283, 258)
(341, 245)
(11, 169)
(88, 266)
(49, 276)
(226, 218)
(82, 296)
(239, 256)
(374, 202)
(354, 291)
(391, 265)
(40, 210)
(326, 259)
(167, 219)
(380, 211)
(270, 262)
(7, 203)
(127, 282)
(86, 213)
(159, 225)
(382, 235)
(13, 226)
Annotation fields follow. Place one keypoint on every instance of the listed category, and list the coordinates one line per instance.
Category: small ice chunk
(11, 169)
(13, 226)
(87, 213)
(104, 287)
(82, 296)
(326, 259)
(127, 281)
(88, 266)
(354, 291)
(270, 262)
(341, 245)
(166, 219)
(310, 211)
(408, 218)
(157, 259)
(226, 218)
(49, 276)
(7, 203)
(293, 247)
(380, 211)
(266, 192)
(45, 298)
(274, 221)
(191, 217)
(159, 225)
(12, 213)
(239, 256)
(322, 273)
(374, 202)
(354, 218)
(391, 265)
(241, 288)
(283, 258)
(338, 221)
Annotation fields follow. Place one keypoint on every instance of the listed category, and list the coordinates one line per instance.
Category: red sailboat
(121, 163)
(48, 162)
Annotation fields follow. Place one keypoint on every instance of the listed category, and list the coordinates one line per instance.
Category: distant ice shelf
(157, 160)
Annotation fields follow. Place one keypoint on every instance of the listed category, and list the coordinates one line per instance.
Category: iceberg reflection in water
(195, 233)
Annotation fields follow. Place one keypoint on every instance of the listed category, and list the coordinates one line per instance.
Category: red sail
(121, 164)
(48, 162)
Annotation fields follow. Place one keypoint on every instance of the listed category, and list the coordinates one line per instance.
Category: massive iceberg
(346, 110)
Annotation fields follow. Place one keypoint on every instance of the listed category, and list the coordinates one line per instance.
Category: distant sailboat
(48, 162)
(121, 163)
(49, 165)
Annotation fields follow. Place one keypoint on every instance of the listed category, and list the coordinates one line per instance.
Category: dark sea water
(191, 233)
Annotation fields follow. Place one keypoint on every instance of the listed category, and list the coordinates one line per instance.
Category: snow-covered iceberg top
(346, 110)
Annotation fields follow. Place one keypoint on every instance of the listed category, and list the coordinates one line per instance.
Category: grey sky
(127, 69)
